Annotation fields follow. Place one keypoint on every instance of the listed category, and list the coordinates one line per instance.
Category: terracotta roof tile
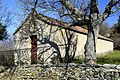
(56, 22)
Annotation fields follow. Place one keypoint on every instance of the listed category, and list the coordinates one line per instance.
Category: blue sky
(13, 6)
(113, 18)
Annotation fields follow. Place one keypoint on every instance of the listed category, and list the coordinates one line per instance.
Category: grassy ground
(110, 58)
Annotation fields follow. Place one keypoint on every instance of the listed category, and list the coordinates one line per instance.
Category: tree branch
(108, 9)
(81, 23)
(93, 7)
(36, 2)
(118, 8)
(72, 9)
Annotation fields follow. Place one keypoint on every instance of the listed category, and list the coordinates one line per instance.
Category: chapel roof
(62, 24)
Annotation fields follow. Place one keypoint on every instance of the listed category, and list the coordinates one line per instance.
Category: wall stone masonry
(7, 57)
(58, 72)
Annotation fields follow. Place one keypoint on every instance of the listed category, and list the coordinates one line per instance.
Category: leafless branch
(93, 7)
(108, 9)
(114, 11)
(72, 9)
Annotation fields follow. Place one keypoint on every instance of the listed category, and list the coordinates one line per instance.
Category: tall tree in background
(3, 32)
(116, 28)
(79, 13)
(115, 35)
(4, 21)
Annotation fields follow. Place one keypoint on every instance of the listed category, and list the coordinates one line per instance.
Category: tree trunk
(90, 46)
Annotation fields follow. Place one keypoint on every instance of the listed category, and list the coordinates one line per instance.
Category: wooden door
(33, 49)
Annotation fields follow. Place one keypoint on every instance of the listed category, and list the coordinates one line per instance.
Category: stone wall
(58, 72)
(7, 57)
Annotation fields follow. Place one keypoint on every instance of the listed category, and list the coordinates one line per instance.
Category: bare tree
(5, 21)
(5, 14)
(6, 45)
(85, 12)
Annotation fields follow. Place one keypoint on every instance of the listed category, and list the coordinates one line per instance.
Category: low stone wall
(7, 57)
(60, 72)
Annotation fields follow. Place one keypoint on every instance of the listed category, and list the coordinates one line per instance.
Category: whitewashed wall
(104, 46)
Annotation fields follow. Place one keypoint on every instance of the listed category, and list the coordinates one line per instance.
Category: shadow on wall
(59, 41)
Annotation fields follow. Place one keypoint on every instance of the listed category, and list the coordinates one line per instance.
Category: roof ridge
(62, 24)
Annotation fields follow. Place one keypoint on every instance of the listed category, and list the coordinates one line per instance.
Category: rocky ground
(61, 72)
